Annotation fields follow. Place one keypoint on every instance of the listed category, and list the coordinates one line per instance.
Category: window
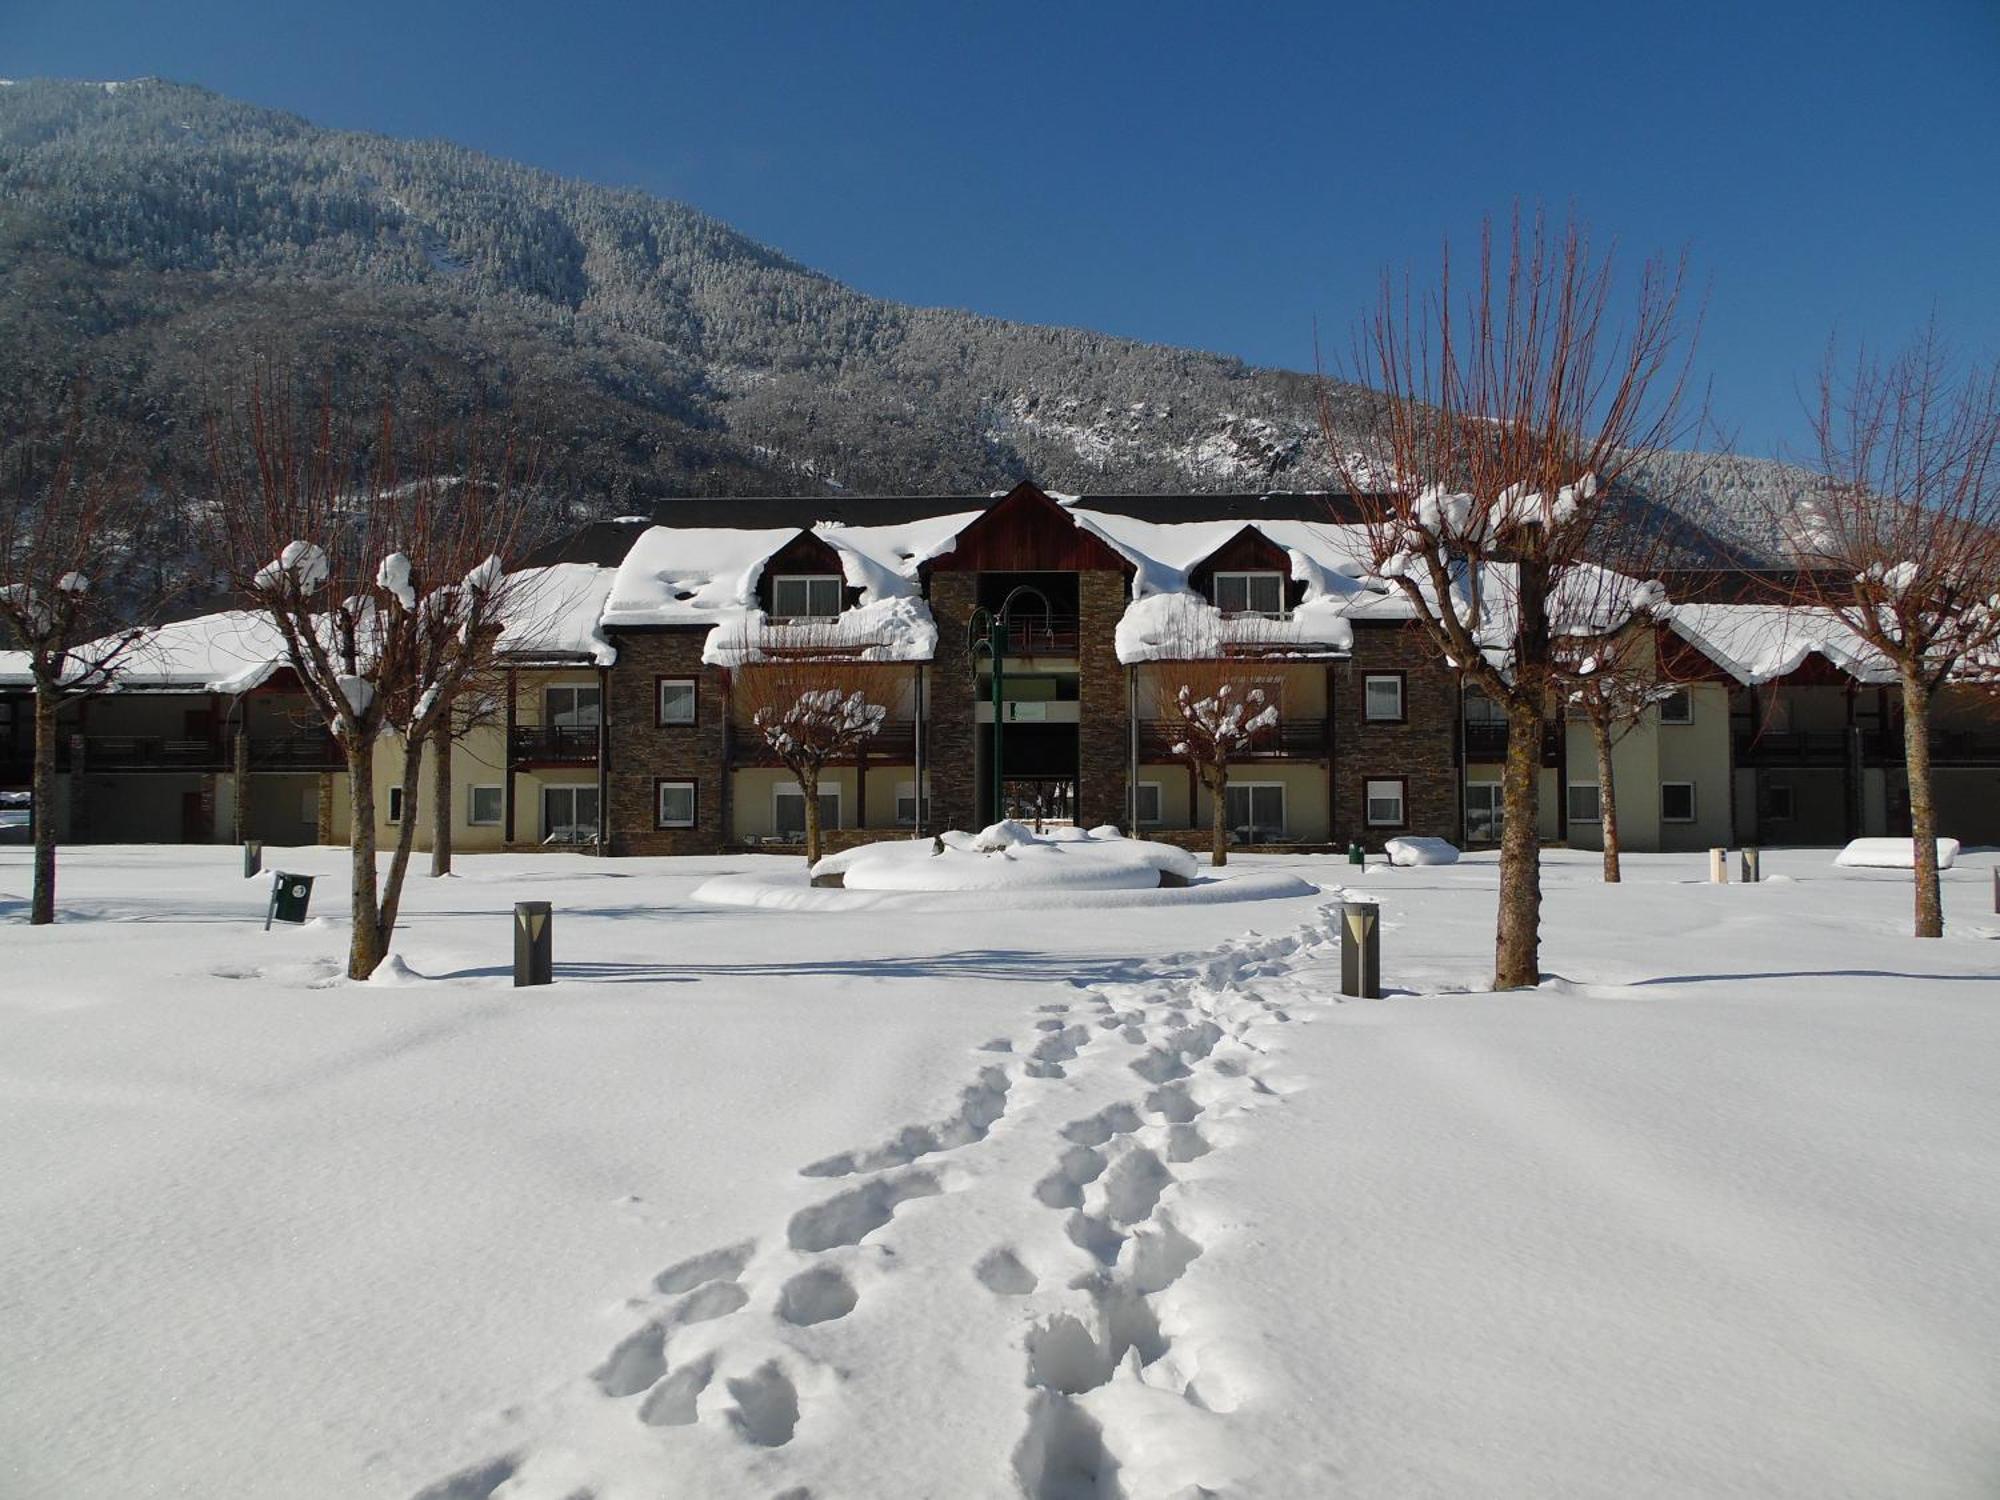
(1677, 707)
(1382, 698)
(906, 805)
(1777, 804)
(1149, 805)
(570, 707)
(482, 806)
(569, 814)
(1677, 802)
(805, 596)
(395, 804)
(1484, 811)
(675, 804)
(788, 809)
(1385, 803)
(1584, 806)
(1254, 811)
(1480, 709)
(1250, 593)
(676, 700)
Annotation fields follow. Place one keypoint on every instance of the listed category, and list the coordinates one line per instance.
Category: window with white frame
(677, 700)
(1677, 707)
(1584, 806)
(788, 809)
(1250, 593)
(1149, 805)
(569, 814)
(906, 805)
(570, 707)
(1677, 802)
(1484, 812)
(1382, 697)
(1384, 803)
(805, 596)
(1254, 810)
(482, 806)
(674, 804)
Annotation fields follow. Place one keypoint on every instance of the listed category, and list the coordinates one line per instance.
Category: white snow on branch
(303, 563)
(393, 578)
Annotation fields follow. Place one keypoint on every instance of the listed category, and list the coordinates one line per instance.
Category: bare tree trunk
(365, 948)
(809, 784)
(441, 794)
(1218, 816)
(1607, 798)
(1923, 810)
(1517, 948)
(42, 809)
(406, 838)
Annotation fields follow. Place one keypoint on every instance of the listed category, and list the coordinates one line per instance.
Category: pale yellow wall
(752, 792)
(1306, 812)
(1648, 754)
(1173, 781)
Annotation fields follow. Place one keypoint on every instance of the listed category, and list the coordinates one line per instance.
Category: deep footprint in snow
(476, 1483)
(980, 1105)
(767, 1407)
(1133, 1186)
(725, 1264)
(671, 1402)
(1095, 1130)
(1185, 1143)
(635, 1363)
(1090, 1233)
(818, 1295)
(1001, 1272)
(716, 1300)
(1161, 1254)
(852, 1216)
(1172, 1101)
(1062, 1455)
(1063, 1188)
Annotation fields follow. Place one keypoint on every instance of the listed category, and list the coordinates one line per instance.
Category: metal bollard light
(1752, 868)
(253, 858)
(534, 944)
(1361, 949)
(1718, 866)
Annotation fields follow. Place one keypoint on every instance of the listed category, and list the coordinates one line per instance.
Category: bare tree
(815, 702)
(1506, 418)
(63, 527)
(1899, 525)
(1611, 678)
(1217, 713)
(387, 590)
(472, 707)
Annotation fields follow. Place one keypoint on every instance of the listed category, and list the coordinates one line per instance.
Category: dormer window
(805, 596)
(1250, 593)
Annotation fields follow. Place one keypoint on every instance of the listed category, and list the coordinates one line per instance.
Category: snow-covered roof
(557, 612)
(1758, 643)
(680, 575)
(229, 652)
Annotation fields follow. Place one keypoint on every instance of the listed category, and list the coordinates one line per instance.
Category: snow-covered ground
(993, 1201)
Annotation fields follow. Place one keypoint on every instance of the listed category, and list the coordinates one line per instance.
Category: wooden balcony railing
(1301, 739)
(1832, 747)
(1486, 740)
(554, 744)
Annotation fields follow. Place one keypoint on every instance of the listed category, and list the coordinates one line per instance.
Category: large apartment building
(621, 724)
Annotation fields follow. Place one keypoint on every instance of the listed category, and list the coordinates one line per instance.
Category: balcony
(115, 752)
(297, 752)
(1042, 635)
(1486, 740)
(1291, 739)
(894, 744)
(553, 745)
(1829, 748)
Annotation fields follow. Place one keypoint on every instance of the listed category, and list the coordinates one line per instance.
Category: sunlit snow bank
(1892, 854)
(1006, 865)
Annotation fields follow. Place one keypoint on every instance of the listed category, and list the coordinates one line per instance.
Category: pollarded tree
(1611, 678)
(815, 703)
(1507, 415)
(64, 525)
(388, 591)
(1900, 523)
(1217, 714)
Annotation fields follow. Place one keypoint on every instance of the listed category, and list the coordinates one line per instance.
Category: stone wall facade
(645, 752)
(1420, 750)
(1104, 736)
(948, 705)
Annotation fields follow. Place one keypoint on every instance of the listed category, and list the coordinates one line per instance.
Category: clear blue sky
(1205, 174)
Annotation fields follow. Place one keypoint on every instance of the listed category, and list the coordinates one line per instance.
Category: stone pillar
(1103, 739)
(240, 787)
(948, 704)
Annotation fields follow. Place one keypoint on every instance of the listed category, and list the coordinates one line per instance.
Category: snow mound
(1009, 856)
(392, 971)
(1892, 854)
(1420, 851)
(788, 890)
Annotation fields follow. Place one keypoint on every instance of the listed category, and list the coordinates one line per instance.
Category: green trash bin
(290, 896)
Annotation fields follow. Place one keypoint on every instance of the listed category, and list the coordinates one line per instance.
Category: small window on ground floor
(788, 810)
(1677, 802)
(906, 805)
(1583, 803)
(569, 814)
(1677, 707)
(1385, 803)
(675, 804)
(482, 806)
(395, 804)
(1777, 804)
(1149, 805)
(1483, 808)
(1254, 811)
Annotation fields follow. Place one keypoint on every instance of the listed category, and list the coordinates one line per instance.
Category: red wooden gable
(1026, 532)
(1248, 551)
